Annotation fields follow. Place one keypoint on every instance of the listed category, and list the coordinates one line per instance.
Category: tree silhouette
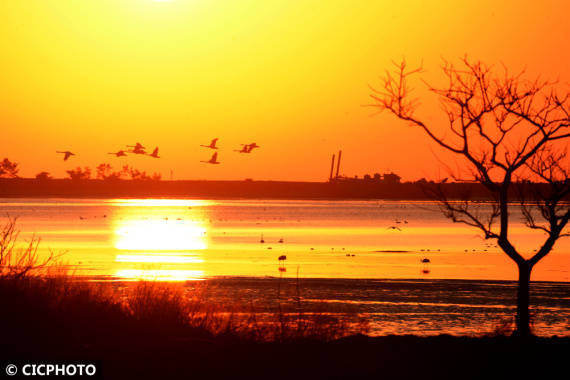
(105, 171)
(136, 174)
(511, 132)
(43, 176)
(79, 174)
(8, 168)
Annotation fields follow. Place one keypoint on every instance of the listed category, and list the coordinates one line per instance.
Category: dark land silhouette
(149, 338)
(336, 189)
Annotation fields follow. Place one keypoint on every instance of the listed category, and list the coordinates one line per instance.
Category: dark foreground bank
(391, 357)
(160, 331)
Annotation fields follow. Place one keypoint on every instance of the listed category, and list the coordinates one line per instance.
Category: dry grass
(21, 261)
(41, 301)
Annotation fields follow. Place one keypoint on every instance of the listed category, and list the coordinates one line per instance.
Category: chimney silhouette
(338, 163)
(332, 168)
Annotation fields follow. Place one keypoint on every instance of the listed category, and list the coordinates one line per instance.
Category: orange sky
(92, 76)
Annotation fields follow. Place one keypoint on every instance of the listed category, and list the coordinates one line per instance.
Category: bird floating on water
(66, 154)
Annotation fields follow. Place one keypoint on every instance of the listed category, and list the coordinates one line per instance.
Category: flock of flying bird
(246, 148)
(138, 148)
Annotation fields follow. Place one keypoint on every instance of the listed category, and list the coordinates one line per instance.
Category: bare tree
(512, 133)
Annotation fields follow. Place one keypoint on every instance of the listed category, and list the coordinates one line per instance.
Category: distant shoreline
(247, 189)
(330, 280)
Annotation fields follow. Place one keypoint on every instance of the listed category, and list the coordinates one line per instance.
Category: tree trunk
(523, 320)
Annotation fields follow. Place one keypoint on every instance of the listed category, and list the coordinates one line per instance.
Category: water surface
(364, 255)
(181, 239)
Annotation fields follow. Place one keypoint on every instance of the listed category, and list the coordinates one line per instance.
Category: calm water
(351, 243)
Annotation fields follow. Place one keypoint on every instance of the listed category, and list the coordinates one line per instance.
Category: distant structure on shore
(386, 178)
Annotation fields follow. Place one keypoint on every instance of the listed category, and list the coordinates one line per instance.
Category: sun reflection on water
(160, 202)
(162, 237)
(160, 274)
(156, 258)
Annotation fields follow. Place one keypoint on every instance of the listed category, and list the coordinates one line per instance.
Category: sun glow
(160, 274)
(166, 259)
(160, 202)
(160, 235)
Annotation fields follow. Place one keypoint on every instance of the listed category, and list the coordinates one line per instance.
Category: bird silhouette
(137, 148)
(425, 261)
(119, 153)
(244, 149)
(155, 153)
(213, 160)
(394, 228)
(66, 154)
(252, 146)
(282, 259)
(212, 144)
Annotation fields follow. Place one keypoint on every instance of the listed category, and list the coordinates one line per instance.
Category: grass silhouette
(151, 330)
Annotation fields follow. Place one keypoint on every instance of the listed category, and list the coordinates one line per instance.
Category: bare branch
(505, 127)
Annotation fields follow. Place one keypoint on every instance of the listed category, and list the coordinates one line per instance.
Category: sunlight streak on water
(159, 274)
(160, 202)
(171, 259)
(164, 235)
(162, 239)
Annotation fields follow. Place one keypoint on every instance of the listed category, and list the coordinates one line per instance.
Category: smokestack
(338, 162)
(332, 168)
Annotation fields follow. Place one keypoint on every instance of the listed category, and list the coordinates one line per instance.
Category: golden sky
(91, 76)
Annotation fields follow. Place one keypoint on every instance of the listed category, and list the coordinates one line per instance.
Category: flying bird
(212, 144)
(213, 160)
(137, 148)
(393, 228)
(120, 153)
(155, 153)
(244, 149)
(252, 146)
(66, 154)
